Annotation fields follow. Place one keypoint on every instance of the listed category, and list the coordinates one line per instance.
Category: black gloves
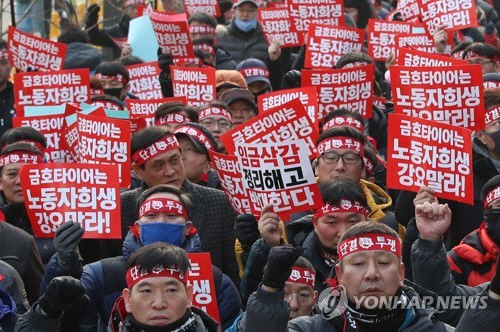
(291, 80)
(92, 16)
(164, 62)
(66, 243)
(63, 293)
(246, 230)
(495, 282)
(489, 29)
(279, 265)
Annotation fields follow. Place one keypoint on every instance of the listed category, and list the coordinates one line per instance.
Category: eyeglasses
(222, 123)
(349, 158)
(305, 298)
(481, 62)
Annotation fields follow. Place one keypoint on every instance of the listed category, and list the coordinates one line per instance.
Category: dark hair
(460, 47)
(159, 254)
(491, 97)
(164, 188)
(342, 131)
(214, 103)
(129, 60)
(343, 112)
(353, 57)
(74, 35)
(368, 227)
(482, 49)
(111, 68)
(106, 98)
(14, 135)
(144, 138)
(304, 262)
(171, 107)
(3, 44)
(490, 185)
(344, 188)
(203, 18)
(365, 11)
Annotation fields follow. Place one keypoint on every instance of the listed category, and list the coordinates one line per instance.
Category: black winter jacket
(243, 45)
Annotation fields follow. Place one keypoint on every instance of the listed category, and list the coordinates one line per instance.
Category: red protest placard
(201, 277)
(307, 95)
(172, 33)
(144, 81)
(429, 153)
(413, 58)
(51, 88)
(455, 14)
(228, 169)
(277, 27)
(326, 44)
(26, 50)
(197, 85)
(51, 126)
(87, 194)
(147, 108)
(408, 10)
(69, 140)
(382, 37)
(209, 7)
(289, 122)
(305, 12)
(420, 42)
(279, 174)
(103, 140)
(351, 88)
(452, 95)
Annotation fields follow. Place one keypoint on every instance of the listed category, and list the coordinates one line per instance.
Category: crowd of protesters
(369, 259)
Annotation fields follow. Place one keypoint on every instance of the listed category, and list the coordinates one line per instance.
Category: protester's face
(330, 227)
(10, 183)
(257, 87)
(158, 301)
(218, 126)
(195, 163)
(339, 170)
(373, 274)
(5, 69)
(488, 65)
(131, 11)
(165, 168)
(486, 139)
(353, 12)
(241, 112)
(109, 83)
(301, 299)
(246, 12)
(155, 216)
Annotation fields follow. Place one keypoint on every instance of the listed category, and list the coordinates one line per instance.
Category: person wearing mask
(114, 79)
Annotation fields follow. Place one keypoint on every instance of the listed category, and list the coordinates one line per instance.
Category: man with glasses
(216, 117)
(485, 55)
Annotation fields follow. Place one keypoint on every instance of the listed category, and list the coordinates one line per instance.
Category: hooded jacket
(243, 45)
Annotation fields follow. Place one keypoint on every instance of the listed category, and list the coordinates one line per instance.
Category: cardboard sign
(382, 37)
(147, 108)
(197, 85)
(428, 153)
(456, 14)
(413, 58)
(144, 81)
(452, 95)
(26, 50)
(201, 277)
(327, 44)
(87, 194)
(289, 122)
(420, 42)
(228, 169)
(277, 27)
(105, 141)
(172, 33)
(51, 88)
(351, 88)
(209, 7)
(51, 126)
(308, 97)
(408, 9)
(281, 175)
(305, 12)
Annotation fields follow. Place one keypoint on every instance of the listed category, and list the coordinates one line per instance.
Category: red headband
(4, 54)
(368, 166)
(172, 118)
(492, 195)
(188, 61)
(345, 205)
(344, 121)
(340, 142)
(196, 134)
(133, 2)
(162, 205)
(38, 145)
(117, 77)
(207, 48)
(135, 274)
(471, 54)
(107, 105)
(356, 64)
(201, 29)
(254, 71)
(369, 242)
(212, 111)
(492, 114)
(302, 275)
(20, 157)
(160, 146)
